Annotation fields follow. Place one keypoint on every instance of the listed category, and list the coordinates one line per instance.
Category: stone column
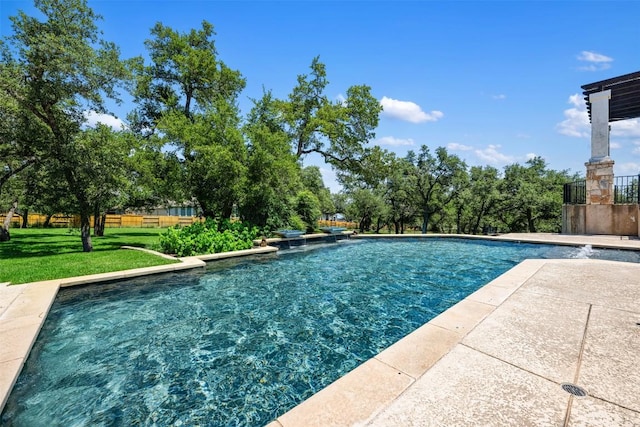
(600, 166)
(600, 182)
(599, 125)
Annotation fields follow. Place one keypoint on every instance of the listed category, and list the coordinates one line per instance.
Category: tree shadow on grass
(47, 242)
(36, 245)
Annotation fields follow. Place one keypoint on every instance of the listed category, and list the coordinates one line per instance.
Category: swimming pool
(244, 342)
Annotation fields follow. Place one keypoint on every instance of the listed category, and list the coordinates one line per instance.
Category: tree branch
(11, 172)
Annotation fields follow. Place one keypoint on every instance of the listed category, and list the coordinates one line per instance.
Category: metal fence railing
(626, 190)
(575, 193)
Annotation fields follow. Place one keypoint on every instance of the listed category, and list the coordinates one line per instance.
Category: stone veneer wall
(600, 182)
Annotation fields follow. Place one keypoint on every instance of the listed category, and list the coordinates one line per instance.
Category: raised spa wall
(620, 220)
(288, 243)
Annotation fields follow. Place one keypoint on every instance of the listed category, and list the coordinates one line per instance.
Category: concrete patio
(499, 357)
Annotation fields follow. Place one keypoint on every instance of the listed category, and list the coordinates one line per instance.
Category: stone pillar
(599, 125)
(600, 182)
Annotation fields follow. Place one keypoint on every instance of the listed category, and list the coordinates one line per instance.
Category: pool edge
(24, 307)
(358, 396)
(10, 368)
(23, 311)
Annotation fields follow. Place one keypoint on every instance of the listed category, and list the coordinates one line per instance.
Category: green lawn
(53, 253)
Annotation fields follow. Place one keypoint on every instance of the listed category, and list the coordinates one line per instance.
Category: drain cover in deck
(574, 389)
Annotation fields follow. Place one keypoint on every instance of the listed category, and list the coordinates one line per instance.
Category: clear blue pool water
(245, 341)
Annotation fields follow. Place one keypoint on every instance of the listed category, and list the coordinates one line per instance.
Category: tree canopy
(55, 71)
(337, 130)
(186, 141)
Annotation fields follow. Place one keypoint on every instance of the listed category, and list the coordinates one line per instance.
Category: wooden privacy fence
(133, 221)
(346, 224)
(112, 221)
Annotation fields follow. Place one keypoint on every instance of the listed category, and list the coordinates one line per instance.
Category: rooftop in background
(625, 96)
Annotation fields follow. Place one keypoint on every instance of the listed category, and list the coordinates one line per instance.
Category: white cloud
(615, 145)
(408, 111)
(585, 55)
(523, 136)
(577, 100)
(594, 67)
(93, 118)
(454, 146)
(499, 97)
(626, 128)
(596, 61)
(395, 142)
(576, 122)
(492, 156)
(341, 99)
(628, 168)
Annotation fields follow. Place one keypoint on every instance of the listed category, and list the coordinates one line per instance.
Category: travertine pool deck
(498, 357)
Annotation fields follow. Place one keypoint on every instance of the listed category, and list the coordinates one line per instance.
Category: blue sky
(494, 82)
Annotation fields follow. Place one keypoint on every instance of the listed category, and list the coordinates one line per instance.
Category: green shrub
(208, 237)
(296, 223)
(308, 208)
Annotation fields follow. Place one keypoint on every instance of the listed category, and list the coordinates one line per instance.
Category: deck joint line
(509, 363)
(577, 374)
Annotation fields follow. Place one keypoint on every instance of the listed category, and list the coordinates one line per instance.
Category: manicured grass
(53, 253)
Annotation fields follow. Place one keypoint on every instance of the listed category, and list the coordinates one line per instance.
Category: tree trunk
(47, 221)
(530, 221)
(85, 223)
(98, 225)
(5, 236)
(208, 213)
(365, 223)
(425, 221)
(98, 222)
(85, 232)
(25, 219)
(476, 226)
(227, 211)
(379, 225)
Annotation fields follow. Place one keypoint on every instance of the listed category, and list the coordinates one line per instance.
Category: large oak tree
(56, 70)
(187, 98)
(338, 130)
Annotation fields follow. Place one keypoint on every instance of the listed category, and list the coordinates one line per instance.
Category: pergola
(597, 212)
(624, 102)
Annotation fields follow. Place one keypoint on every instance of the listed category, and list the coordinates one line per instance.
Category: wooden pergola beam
(625, 96)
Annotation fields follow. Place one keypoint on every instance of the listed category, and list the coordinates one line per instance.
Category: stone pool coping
(596, 241)
(395, 386)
